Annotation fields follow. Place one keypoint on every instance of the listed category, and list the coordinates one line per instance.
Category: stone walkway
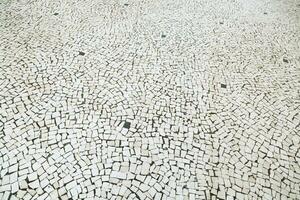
(149, 99)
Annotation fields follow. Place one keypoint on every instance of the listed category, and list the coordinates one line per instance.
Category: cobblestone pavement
(149, 99)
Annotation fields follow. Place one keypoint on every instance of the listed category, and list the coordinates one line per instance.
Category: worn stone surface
(160, 99)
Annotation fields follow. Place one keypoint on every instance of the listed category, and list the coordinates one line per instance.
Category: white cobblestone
(168, 99)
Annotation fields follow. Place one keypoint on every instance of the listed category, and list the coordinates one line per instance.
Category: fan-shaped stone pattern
(173, 99)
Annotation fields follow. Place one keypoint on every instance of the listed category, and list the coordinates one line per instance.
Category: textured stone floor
(149, 99)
